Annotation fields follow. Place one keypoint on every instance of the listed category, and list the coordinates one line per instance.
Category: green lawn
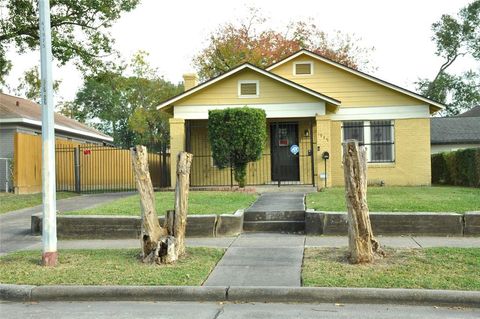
(10, 202)
(432, 268)
(199, 203)
(107, 267)
(403, 199)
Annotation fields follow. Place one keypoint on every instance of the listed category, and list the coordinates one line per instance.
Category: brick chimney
(190, 80)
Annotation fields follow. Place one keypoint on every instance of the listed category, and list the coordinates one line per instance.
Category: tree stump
(156, 243)
(181, 200)
(362, 244)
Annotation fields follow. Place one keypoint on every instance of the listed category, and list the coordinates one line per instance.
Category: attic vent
(303, 68)
(248, 89)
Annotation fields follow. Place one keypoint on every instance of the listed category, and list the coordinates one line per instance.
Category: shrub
(461, 168)
(237, 137)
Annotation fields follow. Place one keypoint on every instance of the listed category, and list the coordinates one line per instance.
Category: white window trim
(303, 62)
(257, 83)
(368, 139)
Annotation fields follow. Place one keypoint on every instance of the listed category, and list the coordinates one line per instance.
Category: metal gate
(276, 166)
(92, 168)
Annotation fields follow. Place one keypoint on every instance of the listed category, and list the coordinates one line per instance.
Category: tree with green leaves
(237, 136)
(30, 85)
(122, 102)
(456, 37)
(79, 30)
(252, 41)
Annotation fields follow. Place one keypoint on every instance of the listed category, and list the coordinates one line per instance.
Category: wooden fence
(83, 168)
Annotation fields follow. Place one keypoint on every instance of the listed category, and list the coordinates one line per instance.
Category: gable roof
(253, 68)
(473, 112)
(17, 110)
(358, 73)
(453, 130)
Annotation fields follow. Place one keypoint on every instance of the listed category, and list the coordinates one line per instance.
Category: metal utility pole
(49, 230)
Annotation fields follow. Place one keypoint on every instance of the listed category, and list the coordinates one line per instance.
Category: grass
(10, 202)
(432, 268)
(107, 267)
(199, 203)
(403, 199)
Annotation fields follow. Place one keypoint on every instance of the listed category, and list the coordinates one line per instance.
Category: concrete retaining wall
(316, 223)
(434, 224)
(472, 223)
(118, 227)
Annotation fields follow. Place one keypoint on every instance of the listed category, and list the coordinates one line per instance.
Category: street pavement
(209, 310)
(15, 226)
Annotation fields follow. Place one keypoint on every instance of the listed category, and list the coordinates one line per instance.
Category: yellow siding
(412, 156)
(349, 88)
(226, 92)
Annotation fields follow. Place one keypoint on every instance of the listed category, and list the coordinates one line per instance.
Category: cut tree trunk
(157, 245)
(181, 200)
(362, 244)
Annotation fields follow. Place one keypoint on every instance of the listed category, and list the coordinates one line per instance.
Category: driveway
(15, 225)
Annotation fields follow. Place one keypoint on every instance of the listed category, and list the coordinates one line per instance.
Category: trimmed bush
(460, 168)
(237, 137)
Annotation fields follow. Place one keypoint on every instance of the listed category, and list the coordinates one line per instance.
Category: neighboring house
(21, 120)
(316, 104)
(455, 133)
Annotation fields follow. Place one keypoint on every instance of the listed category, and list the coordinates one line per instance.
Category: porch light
(306, 133)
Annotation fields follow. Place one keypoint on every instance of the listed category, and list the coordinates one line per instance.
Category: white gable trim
(381, 113)
(287, 110)
(358, 73)
(254, 68)
(58, 127)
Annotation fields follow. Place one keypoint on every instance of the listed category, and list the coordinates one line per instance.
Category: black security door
(285, 151)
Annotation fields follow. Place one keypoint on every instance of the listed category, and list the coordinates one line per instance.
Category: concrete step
(289, 227)
(274, 216)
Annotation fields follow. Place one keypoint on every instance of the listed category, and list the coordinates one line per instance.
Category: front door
(285, 151)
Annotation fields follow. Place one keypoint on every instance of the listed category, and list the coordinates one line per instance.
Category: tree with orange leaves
(251, 41)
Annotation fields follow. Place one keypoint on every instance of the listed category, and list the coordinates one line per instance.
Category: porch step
(274, 216)
(277, 226)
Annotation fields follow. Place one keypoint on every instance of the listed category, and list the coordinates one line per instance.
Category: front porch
(291, 155)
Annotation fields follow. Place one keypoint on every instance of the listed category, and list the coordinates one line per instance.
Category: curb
(26, 293)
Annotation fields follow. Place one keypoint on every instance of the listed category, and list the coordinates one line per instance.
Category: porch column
(323, 145)
(177, 144)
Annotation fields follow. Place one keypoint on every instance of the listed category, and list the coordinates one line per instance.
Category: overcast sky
(173, 31)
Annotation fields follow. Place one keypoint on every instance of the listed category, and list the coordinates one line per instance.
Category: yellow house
(312, 105)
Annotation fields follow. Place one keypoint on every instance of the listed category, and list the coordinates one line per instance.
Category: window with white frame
(248, 89)
(377, 136)
(303, 68)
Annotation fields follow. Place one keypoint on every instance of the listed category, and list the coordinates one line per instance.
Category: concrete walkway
(279, 202)
(15, 225)
(310, 242)
(260, 259)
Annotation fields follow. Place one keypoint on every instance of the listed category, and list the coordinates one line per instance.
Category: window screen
(248, 88)
(303, 68)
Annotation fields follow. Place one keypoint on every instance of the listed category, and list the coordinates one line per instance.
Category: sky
(174, 31)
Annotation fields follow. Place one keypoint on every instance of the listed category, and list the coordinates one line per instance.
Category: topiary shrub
(237, 136)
